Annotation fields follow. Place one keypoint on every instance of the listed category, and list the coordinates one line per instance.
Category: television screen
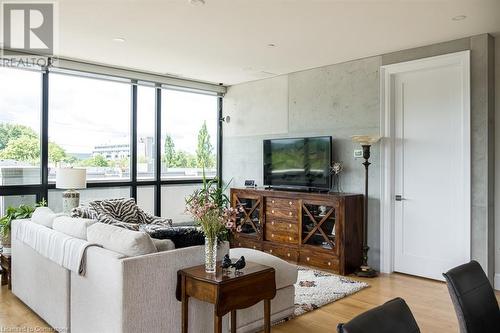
(298, 163)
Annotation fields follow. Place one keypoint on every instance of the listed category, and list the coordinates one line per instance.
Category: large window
(89, 126)
(20, 113)
(188, 135)
(52, 119)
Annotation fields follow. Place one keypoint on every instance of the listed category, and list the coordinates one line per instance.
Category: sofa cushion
(127, 242)
(163, 244)
(75, 227)
(286, 273)
(44, 216)
(123, 210)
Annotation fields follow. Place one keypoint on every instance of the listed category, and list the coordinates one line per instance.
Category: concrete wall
(343, 100)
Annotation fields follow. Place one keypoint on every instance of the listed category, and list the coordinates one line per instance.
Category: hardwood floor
(428, 300)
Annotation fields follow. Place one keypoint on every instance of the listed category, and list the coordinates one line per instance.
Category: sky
(86, 112)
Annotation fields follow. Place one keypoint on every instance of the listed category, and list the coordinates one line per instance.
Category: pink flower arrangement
(215, 219)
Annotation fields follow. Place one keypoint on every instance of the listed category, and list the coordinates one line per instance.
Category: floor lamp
(366, 141)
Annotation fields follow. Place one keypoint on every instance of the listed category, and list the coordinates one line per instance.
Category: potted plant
(209, 206)
(13, 213)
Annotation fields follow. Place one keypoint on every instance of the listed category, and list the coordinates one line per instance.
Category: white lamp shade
(71, 179)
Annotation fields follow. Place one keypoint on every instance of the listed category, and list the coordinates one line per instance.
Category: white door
(432, 166)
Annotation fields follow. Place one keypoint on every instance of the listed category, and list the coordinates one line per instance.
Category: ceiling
(227, 41)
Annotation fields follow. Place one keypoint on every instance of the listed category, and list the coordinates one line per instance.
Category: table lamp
(366, 141)
(71, 179)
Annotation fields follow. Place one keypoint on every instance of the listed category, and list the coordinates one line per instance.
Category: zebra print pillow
(122, 210)
(84, 212)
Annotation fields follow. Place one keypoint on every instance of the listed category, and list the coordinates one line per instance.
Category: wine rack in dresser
(311, 229)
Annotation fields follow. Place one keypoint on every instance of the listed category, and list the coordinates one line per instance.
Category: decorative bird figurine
(239, 265)
(226, 262)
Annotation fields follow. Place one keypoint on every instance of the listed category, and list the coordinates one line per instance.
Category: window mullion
(133, 143)
(158, 152)
(44, 149)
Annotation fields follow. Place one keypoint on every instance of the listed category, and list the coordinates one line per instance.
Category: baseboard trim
(497, 281)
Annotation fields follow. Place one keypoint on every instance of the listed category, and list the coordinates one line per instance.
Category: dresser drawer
(281, 236)
(280, 225)
(317, 259)
(281, 251)
(281, 203)
(282, 208)
(248, 243)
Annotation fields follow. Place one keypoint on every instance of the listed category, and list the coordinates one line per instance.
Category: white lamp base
(71, 199)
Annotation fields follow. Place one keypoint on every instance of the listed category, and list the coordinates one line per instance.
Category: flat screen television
(301, 163)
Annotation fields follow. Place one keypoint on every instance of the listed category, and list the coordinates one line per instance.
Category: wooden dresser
(312, 229)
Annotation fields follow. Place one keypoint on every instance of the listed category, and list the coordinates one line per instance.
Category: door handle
(399, 198)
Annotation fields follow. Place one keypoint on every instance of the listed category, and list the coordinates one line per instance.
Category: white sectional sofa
(130, 294)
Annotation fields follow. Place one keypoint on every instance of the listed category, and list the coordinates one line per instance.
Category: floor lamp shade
(71, 179)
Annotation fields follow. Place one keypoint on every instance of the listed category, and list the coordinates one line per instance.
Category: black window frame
(41, 190)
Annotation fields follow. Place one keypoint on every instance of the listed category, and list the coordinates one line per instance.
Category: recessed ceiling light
(459, 18)
(197, 2)
(119, 40)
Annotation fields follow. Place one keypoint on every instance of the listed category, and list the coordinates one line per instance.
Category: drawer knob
(290, 203)
(254, 247)
(272, 211)
(288, 254)
(290, 213)
(308, 258)
(289, 238)
(329, 263)
(272, 201)
(272, 235)
(271, 251)
(289, 225)
(272, 222)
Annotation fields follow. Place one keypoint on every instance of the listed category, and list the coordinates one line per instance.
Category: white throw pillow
(73, 226)
(127, 242)
(44, 216)
(163, 244)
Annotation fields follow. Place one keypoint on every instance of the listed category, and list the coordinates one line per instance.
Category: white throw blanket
(66, 251)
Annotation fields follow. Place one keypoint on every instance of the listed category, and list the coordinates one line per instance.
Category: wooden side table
(227, 292)
(5, 263)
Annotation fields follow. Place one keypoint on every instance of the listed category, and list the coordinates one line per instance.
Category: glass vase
(210, 254)
(337, 183)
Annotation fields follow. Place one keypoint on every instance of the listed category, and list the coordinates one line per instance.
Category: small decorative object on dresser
(366, 142)
(314, 229)
(209, 208)
(71, 179)
(336, 171)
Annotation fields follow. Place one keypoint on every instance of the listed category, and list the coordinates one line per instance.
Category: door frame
(387, 148)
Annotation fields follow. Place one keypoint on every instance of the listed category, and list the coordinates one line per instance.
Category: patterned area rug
(317, 288)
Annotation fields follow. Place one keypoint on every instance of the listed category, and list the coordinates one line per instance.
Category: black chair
(473, 298)
(391, 317)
